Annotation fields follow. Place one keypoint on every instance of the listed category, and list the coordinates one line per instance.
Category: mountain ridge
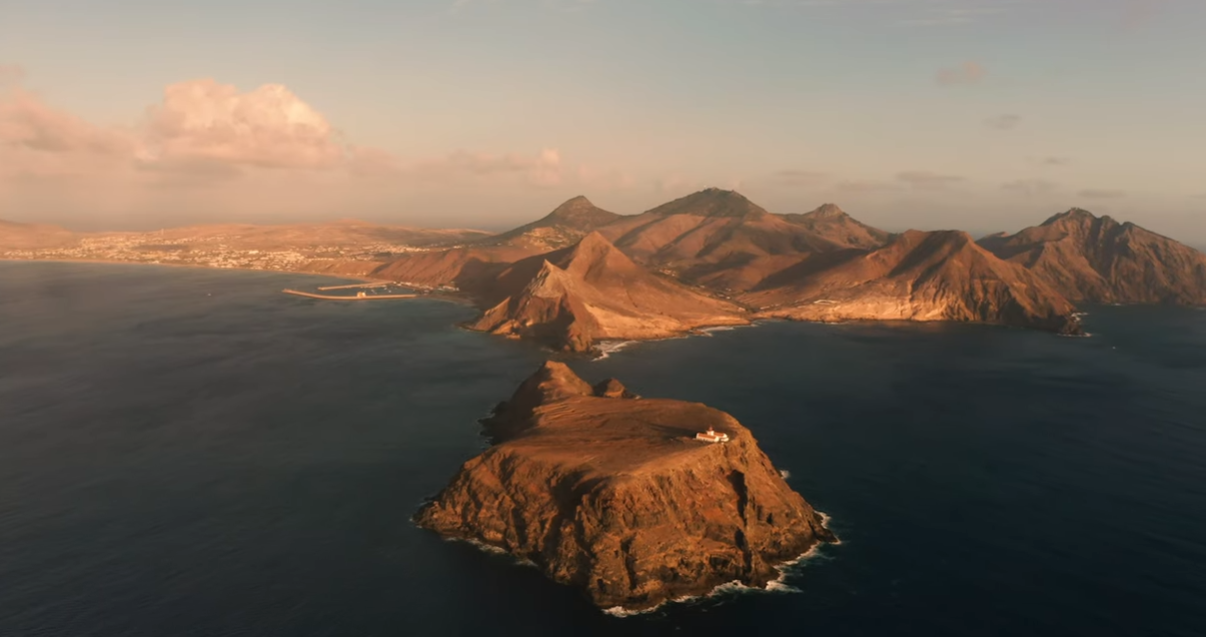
(1100, 260)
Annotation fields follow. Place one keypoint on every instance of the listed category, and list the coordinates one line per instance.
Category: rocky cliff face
(611, 494)
(1100, 260)
(572, 298)
(919, 276)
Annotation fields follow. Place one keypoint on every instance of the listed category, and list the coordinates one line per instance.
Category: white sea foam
(707, 331)
(778, 585)
(607, 348)
(493, 550)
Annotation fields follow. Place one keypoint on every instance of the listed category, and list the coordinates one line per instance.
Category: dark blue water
(189, 452)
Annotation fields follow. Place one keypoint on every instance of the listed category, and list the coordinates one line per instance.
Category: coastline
(328, 275)
(777, 585)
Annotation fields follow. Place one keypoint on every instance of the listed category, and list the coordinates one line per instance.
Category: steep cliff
(919, 276)
(610, 493)
(1100, 260)
(571, 298)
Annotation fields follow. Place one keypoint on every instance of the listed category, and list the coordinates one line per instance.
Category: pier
(375, 284)
(358, 297)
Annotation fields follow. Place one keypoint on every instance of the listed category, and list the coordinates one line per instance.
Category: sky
(981, 115)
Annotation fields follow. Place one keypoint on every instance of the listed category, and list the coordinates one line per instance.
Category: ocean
(191, 452)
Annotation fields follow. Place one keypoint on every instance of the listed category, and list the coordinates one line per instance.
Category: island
(621, 497)
(581, 276)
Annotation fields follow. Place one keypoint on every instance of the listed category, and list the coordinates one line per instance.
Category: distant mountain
(722, 240)
(467, 268)
(918, 276)
(348, 232)
(572, 298)
(1100, 260)
(562, 227)
(28, 236)
(472, 266)
(832, 223)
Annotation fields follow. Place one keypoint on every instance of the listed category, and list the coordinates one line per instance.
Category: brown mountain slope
(467, 267)
(28, 236)
(571, 298)
(919, 276)
(710, 225)
(722, 240)
(1099, 260)
(832, 223)
(472, 267)
(562, 227)
(613, 495)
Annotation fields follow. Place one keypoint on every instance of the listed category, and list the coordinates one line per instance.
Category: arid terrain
(612, 494)
(581, 274)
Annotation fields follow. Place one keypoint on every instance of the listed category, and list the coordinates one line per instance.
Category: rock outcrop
(611, 494)
(919, 276)
(1100, 260)
(572, 298)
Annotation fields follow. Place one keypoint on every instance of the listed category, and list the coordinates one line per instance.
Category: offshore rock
(612, 494)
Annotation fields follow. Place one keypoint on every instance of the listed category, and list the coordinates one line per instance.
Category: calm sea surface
(190, 452)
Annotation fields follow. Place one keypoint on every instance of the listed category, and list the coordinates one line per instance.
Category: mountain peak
(827, 211)
(580, 212)
(574, 203)
(712, 202)
(1072, 214)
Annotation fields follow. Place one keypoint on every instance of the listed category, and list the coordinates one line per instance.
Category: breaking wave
(778, 585)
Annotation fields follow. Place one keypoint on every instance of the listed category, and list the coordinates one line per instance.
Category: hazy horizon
(980, 115)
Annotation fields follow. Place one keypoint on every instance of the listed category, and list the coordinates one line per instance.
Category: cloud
(967, 73)
(925, 180)
(1003, 122)
(203, 132)
(865, 186)
(800, 177)
(543, 169)
(268, 127)
(1095, 193)
(1049, 161)
(1030, 187)
(27, 122)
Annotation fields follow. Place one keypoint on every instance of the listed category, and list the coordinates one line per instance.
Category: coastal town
(230, 251)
